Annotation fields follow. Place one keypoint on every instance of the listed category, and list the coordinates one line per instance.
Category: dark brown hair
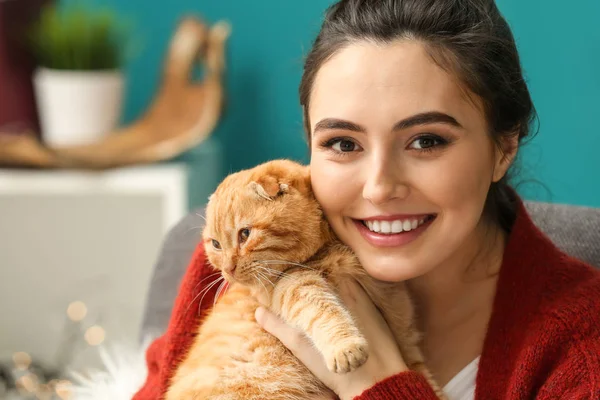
(468, 38)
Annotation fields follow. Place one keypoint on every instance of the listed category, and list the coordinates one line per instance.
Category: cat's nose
(230, 268)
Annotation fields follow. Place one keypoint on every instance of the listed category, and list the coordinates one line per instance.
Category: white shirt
(462, 386)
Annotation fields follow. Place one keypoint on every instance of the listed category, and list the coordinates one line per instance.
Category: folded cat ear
(268, 189)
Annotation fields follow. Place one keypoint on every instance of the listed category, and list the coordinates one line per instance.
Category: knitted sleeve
(165, 353)
(577, 375)
(572, 349)
(404, 386)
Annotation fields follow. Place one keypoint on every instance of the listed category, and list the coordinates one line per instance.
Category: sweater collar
(519, 289)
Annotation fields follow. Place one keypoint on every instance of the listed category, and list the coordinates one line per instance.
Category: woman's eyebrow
(337, 124)
(433, 117)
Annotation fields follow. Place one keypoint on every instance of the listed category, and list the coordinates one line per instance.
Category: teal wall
(559, 43)
(560, 47)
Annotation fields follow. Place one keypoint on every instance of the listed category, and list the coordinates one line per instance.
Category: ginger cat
(267, 235)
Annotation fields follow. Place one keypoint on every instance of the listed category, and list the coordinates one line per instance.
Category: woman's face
(401, 160)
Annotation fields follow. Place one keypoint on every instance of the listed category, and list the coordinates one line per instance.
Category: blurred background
(78, 244)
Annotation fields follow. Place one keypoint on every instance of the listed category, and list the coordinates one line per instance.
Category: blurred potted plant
(79, 81)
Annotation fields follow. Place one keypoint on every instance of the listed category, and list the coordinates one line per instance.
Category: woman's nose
(384, 182)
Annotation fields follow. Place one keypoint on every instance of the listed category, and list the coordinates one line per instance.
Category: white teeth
(385, 227)
(397, 226)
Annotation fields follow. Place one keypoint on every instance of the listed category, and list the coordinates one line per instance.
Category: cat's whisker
(279, 275)
(193, 228)
(261, 282)
(259, 274)
(270, 272)
(269, 281)
(201, 216)
(223, 285)
(209, 276)
(210, 285)
(203, 293)
(284, 262)
(262, 275)
(260, 266)
(217, 293)
(222, 279)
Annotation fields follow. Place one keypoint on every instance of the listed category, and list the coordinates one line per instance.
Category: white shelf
(169, 181)
(77, 235)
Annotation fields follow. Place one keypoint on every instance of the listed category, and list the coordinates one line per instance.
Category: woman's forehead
(386, 82)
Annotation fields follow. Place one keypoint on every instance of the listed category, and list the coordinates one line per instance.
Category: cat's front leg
(308, 302)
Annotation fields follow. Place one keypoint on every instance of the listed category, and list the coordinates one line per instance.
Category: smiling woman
(415, 111)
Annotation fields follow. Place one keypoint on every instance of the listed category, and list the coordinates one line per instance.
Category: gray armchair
(576, 230)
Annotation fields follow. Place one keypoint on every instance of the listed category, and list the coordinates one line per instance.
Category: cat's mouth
(387, 227)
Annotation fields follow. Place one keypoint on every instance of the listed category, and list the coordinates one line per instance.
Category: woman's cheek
(331, 184)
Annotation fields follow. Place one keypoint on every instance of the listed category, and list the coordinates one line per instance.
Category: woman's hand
(384, 356)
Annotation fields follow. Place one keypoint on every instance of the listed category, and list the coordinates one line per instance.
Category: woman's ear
(506, 151)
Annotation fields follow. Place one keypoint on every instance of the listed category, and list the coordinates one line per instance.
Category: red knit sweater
(543, 338)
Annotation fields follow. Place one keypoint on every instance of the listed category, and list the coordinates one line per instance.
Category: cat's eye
(243, 234)
(216, 244)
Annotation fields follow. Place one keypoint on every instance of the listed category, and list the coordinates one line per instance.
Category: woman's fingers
(368, 317)
(360, 304)
(295, 340)
(290, 337)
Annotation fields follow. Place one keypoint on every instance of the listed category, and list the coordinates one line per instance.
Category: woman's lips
(389, 235)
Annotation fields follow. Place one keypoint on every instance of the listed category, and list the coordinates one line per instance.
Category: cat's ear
(268, 188)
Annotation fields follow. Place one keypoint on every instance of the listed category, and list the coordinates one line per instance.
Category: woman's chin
(389, 272)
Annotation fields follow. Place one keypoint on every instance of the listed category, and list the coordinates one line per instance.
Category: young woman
(415, 110)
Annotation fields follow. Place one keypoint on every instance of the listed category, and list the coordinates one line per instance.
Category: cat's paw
(348, 355)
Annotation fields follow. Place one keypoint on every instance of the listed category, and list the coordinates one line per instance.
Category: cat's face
(259, 221)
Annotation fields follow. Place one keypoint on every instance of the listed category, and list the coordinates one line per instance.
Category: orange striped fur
(291, 262)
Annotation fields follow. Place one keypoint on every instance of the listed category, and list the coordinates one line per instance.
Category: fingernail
(259, 314)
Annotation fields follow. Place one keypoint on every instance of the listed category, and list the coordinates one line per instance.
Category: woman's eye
(426, 142)
(243, 234)
(344, 146)
(341, 145)
(216, 244)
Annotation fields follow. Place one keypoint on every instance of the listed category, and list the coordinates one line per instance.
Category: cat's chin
(242, 280)
(231, 280)
(258, 289)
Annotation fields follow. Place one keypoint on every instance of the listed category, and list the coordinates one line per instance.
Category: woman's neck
(463, 285)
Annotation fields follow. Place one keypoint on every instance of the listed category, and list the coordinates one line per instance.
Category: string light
(22, 360)
(94, 335)
(44, 392)
(29, 383)
(77, 311)
(63, 389)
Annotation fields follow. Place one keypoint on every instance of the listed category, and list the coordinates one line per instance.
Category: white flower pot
(77, 107)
